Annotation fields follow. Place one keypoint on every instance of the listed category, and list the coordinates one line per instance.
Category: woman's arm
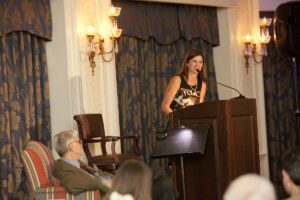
(202, 92)
(170, 92)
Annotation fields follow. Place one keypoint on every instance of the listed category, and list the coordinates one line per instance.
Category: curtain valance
(168, 22)
(33, 16)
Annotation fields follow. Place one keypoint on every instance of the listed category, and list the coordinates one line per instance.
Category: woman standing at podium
(188, 87)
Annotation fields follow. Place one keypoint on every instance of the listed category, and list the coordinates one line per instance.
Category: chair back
(90, 125)
(38, 163)
(91, 131)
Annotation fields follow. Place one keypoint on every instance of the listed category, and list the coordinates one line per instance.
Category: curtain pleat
(24, 106)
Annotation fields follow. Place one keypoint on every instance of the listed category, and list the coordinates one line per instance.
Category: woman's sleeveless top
(186, 95)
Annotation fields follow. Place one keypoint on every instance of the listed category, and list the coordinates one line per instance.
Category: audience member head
(133, 178)
(250, 187)
(68, 145)
(291, 171)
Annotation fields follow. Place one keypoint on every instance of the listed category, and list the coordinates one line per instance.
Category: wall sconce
(257, 47)
(97, 47)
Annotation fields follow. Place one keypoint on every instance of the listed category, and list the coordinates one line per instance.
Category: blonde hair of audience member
(133, 178)
(250, 187)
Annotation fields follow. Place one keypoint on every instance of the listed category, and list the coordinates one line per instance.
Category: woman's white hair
(250, 187)
(62, 141)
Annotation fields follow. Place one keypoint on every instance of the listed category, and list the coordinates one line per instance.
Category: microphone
(240, 94)
(199, 75)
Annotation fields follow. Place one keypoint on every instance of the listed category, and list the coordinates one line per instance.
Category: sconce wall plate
(257, 49)
(96, 41)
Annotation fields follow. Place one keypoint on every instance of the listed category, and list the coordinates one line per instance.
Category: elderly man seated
(74, 175)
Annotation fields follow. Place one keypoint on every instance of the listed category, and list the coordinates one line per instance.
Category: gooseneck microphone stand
(297, 111)
(240, 94)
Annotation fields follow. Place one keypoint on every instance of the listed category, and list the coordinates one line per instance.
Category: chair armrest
(125, 137)
(113, 140)
(135, 139)
(102, 139)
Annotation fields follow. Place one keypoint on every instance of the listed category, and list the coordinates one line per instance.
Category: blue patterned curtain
(280, 105)
(168, 22)
(24, 93)
(150, 54)
(33, 16)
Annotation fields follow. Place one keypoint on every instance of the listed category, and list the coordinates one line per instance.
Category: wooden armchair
(91, 130)
(38, 162)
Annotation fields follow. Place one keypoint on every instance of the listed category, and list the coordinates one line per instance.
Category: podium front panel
(231, 148)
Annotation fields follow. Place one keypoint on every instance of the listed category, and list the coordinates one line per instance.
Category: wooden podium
(231, 147)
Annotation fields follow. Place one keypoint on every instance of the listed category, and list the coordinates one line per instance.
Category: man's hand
(107, 182)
